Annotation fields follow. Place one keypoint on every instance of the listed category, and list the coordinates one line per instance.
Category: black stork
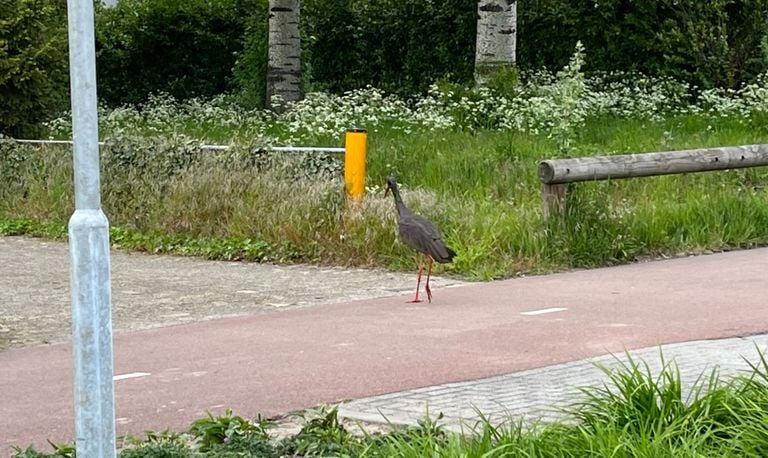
(420, 234)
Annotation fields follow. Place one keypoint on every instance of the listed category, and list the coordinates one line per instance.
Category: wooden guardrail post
(553, 197)
(555, 174)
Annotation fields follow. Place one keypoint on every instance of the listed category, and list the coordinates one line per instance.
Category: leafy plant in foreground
(654, 408)
(322, 435)
(62, 450)
(213, 432)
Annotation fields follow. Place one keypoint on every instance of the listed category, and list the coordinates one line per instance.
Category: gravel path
(151, 290)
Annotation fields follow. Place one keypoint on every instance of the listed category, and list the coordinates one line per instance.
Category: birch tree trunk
(284, 64)
(496, 37)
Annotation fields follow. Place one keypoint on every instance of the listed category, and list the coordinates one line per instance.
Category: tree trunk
(496, 37)
(284, 67)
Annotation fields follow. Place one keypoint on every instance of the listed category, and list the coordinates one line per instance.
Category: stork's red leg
(418, 284)
(429, 272)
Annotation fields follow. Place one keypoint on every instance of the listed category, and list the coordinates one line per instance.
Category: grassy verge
(163, 195)
(635, 414)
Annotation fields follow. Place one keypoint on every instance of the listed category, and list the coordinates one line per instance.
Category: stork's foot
(415, 301)
(429, 293)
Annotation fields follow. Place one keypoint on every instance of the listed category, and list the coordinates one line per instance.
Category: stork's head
(391, 185)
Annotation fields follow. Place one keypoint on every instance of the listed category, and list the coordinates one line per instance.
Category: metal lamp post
(89, 252)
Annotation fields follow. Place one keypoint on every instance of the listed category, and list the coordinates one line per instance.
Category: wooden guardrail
(555, 174)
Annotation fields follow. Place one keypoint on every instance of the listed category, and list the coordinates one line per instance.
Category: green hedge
(180, 47)
(707, 43)
(251, 67)
(34, 80)
(397, 45)
(404, 45)
(190, 48)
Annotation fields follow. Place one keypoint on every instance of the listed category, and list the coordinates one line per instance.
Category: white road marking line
(543, 311)
(131, 375)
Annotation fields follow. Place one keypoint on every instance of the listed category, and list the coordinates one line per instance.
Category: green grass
(636, 413)
(481, 187)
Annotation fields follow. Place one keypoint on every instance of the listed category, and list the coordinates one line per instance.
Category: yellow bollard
(355, 145)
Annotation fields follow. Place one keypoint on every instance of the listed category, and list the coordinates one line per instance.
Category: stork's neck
(402, 210)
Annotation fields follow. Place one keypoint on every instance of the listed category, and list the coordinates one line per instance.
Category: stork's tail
(446, 257)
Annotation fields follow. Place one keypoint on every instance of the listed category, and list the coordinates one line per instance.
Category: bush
(190, 48)
(716, 43)
(251, 68)
(183, 48)
(33, 64)
(401, 46)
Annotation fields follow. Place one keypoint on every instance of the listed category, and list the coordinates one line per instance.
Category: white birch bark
(496, 37)
(284, 64)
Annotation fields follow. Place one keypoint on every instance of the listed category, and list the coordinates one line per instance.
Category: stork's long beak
(386, 191)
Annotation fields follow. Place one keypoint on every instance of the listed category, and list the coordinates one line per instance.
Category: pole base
(92, 334)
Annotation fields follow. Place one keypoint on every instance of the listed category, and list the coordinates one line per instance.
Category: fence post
(553, 198)
(355, 147)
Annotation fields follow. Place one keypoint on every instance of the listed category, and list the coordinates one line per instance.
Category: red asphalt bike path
(277, 362)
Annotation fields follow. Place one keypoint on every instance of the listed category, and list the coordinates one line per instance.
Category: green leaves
(399, 46)
(185, 49)
(321, 435)
(706, 44)
(211, 431)
(33, 64)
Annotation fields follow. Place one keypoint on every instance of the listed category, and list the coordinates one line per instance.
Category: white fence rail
(354, 151)
(279, 149)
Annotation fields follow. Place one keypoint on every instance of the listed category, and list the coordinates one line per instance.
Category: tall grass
(481, 188)
(466, 158)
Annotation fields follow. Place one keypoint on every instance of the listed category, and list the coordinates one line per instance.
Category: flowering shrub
(541, 104)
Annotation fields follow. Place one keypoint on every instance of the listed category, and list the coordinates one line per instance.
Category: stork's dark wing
(422, 235)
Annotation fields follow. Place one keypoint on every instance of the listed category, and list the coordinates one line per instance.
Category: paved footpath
(506, 346)
(545, 393)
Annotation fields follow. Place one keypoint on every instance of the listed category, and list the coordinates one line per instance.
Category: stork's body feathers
(420, 234)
